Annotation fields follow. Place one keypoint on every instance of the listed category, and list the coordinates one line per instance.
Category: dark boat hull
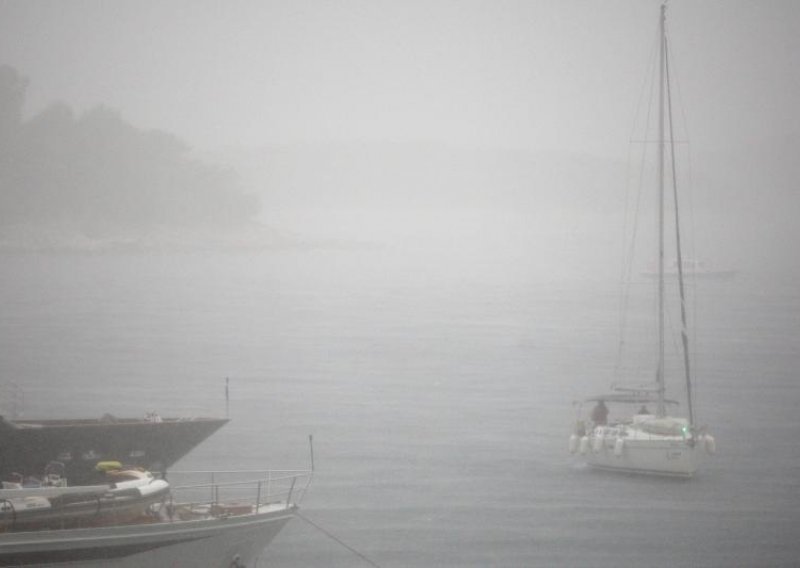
(27, 446)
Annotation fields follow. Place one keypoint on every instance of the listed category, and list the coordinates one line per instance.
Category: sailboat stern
(635, 450)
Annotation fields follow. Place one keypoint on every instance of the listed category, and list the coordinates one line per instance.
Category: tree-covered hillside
(92, 174)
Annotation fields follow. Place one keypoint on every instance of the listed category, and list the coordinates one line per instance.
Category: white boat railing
(259, 488)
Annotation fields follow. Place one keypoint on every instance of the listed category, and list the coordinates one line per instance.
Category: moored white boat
(226, 521)
(640, 442)
(637, 441)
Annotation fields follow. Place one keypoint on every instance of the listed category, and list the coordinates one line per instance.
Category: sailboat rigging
(642, 442)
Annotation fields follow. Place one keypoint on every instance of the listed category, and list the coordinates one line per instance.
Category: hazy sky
(529, 74)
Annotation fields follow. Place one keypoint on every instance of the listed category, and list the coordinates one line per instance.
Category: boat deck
(210, 519)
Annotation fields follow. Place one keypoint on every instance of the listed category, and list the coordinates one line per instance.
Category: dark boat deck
(27, 446)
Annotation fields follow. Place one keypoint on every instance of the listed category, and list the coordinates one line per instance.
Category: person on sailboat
(600, 413)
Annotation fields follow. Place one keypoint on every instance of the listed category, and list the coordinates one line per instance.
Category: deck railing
(258, 488)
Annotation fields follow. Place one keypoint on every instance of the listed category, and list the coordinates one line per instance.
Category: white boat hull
(234, 541)
(670, 457)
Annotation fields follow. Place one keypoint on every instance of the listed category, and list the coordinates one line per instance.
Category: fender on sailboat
(710, 444)
(573, 443)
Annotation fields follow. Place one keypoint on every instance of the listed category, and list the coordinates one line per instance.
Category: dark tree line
(100, 176)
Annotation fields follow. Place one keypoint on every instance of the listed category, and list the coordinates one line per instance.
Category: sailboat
(656, 442)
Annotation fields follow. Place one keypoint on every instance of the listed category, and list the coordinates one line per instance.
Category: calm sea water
(438, 390)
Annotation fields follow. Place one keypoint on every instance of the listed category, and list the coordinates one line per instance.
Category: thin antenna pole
(227, 398)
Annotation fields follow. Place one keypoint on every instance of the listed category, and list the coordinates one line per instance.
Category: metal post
(291, 489)
(227, 398)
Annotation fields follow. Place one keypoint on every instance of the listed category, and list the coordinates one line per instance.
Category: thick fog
(400, 226)
(379, 121)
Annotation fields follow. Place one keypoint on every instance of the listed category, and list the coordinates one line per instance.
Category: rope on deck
(338, 540)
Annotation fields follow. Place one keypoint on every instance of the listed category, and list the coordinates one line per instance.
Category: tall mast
(678, 248)
(661, 410)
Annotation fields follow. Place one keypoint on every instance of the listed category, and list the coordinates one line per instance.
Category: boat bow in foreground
(223, 522)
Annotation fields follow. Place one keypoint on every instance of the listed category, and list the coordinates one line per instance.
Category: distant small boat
(691, 269)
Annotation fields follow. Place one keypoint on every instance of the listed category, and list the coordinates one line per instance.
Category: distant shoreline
(43, 239)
